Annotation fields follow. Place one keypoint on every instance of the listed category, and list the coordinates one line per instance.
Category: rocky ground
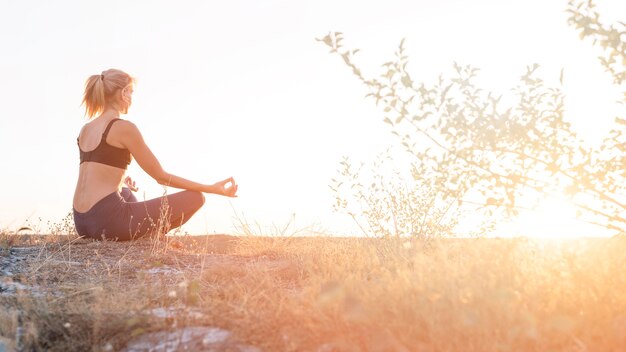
(54, 271)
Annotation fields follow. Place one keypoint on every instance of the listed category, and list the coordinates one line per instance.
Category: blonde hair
(100, 88)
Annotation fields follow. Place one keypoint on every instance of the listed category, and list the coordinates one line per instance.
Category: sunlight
(246, 101)
(553, 219)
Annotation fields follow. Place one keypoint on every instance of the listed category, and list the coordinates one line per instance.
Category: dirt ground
(36, 269)
(250, 294)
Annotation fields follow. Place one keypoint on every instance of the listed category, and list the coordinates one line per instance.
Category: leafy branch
(464, 140)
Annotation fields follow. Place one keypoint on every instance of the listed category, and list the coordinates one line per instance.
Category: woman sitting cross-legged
(103, 208)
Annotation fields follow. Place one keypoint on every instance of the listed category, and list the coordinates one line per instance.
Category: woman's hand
(130, 184)
(221, 188)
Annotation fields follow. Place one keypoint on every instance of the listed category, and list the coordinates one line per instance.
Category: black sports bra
(106, 153)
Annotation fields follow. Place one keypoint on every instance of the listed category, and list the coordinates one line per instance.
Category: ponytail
(99, 88)
(93, 98)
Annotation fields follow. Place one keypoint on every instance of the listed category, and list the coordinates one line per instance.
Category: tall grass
(460, 295)
(315, 293)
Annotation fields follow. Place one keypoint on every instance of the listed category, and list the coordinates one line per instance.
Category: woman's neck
(110, 113)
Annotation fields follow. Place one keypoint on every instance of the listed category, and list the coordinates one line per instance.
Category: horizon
(245, 90)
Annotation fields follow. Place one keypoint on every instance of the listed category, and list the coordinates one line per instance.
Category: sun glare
(553, 219)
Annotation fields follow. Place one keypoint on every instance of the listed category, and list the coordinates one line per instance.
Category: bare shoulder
(126, 127)
(125, 124)
(129, 134)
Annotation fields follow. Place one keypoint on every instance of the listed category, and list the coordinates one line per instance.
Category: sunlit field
(292, 293)
(486, 218)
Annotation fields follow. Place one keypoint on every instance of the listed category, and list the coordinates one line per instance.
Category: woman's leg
(164, 213)
(132, 220)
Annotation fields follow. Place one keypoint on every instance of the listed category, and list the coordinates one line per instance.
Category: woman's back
(95, 178)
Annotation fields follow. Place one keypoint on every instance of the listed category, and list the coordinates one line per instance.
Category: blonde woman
(104, 205)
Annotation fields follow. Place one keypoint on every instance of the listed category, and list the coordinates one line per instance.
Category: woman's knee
(187, 204)
(187, 200)
(197, 198)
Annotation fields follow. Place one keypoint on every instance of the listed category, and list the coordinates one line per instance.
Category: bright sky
(242, 88)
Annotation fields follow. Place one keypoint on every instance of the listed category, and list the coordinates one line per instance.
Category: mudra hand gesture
(222, 189)
(130, 184)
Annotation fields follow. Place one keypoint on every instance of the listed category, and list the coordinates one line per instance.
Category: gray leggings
(120, 217)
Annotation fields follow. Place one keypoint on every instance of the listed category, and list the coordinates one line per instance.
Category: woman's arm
(132, 140)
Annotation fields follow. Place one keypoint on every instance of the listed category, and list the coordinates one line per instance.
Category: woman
(103, 209)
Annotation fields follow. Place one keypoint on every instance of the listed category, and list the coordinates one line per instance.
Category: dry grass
(326, 294)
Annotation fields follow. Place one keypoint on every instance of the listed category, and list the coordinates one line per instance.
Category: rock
(65, 262)
(10, 287)
(163, 313)
(194, 338)
(26, 250)
(176, 312)
(215, 336)
(163, 270)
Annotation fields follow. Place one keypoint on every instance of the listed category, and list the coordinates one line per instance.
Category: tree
(466, 146)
